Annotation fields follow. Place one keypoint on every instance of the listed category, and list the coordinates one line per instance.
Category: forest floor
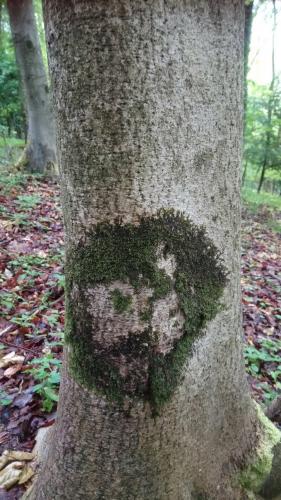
(32, 306)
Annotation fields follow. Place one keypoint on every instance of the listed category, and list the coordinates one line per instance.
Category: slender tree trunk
(262, 176)
(40, 153)
(270, 105)
(154, 402)
(244, 173)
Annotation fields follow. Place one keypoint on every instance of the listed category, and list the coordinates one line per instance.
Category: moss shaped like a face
(133, 255)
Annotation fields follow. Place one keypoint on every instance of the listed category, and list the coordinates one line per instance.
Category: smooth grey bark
(149, 107)
(40, 153)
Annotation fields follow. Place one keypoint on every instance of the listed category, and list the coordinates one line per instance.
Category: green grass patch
(11, 142)
(10, 150)
(255, 201)
(274, 225)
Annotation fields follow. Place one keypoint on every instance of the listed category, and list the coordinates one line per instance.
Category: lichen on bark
(168, 261)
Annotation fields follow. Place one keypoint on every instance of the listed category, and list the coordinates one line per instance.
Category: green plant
(21, 220)
(27, 261)
(274, 225)
(10, 180)
(8, 301)
(28, 201)
(45, 371)
(57, 339)
(5, 399)
(31, 266)
(60, 279)
(52, 317)
(255, 201)
(269, 392)
(255, 357)
(265, 360)
(25, 319)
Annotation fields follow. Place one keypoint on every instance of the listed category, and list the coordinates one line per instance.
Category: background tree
(153, 401)
(270, 105)
(262, 124)
(262, 139)
(40, 151)
(12, 116)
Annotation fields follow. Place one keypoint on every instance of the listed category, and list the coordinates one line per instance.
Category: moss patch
(130, 253)
(121, 302)
(253, 478)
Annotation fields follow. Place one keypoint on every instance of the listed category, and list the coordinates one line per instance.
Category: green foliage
(255, 200)
(130, 254)
(27, 262)
(262, 135)
(10, 150)
(28, 201)
(59, 277)
(257, 125)
(10, 180)
(274, 226)
(5, 399)
(269, 354)
(45, 371)
(7, 302)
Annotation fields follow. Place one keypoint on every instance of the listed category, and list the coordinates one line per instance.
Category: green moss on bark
(254, 476)
(130, 254)
(121, 302)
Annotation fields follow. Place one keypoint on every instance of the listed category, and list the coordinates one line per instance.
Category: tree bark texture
(149, 105)
(40, 153)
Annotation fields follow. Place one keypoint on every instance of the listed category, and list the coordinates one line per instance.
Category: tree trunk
(40, 154)
(244, 173)
(264, 165)
(154, 402)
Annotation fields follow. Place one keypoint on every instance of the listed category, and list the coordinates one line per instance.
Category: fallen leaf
(6, 224)
(23, 399)
(41, 253)
(4, 437)
(9, 372)
(26, 474)
(11, 359)
(11, 475)
(7, 273)
(13, 455)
